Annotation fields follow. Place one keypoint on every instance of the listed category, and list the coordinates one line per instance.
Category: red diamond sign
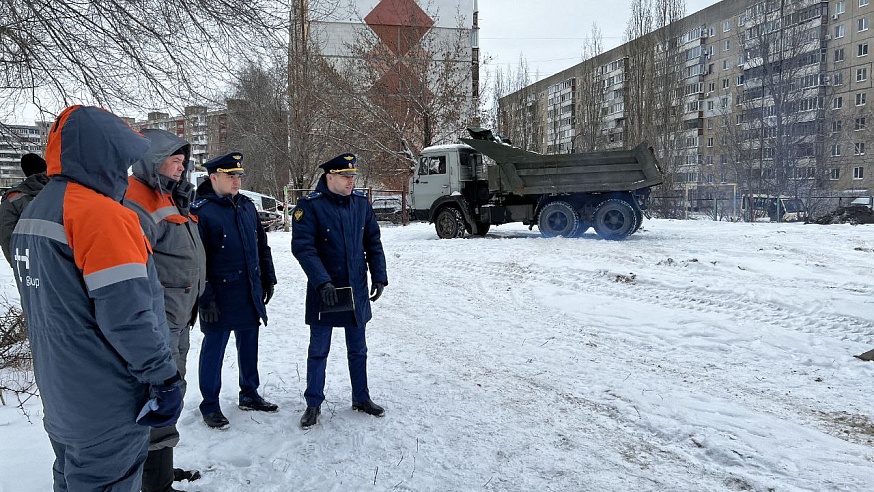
(399, 24)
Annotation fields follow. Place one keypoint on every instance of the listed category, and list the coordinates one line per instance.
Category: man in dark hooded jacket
(94, 307)
(16, 198)
(160, 193)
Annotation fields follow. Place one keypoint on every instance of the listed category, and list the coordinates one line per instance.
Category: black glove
(329, 294)
(164, 405)
(268, 292)
(376, 291)
(210, 312)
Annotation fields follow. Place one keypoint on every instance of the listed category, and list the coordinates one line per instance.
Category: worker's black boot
(158, 471)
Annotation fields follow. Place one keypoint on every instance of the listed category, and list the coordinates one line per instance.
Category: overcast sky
(549, 35)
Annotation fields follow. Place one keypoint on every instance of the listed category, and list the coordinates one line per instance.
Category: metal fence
(733, 209)
(389, 205)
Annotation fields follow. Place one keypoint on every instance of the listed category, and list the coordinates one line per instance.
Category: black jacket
(14, 201)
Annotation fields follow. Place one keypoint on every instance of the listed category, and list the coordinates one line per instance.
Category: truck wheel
(449, 223)
(583, 227)
(615, 219)
(558, 219)
(638, 214)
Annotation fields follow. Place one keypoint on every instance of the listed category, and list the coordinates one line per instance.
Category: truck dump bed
(523, 172)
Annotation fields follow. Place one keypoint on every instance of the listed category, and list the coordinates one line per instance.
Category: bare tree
(405, 87)
(590, 87)
(257, 125)
(653, 90)
(122, 53)
(784, 101)
(518, 120)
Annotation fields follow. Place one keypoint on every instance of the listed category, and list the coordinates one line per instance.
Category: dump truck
(466, 188)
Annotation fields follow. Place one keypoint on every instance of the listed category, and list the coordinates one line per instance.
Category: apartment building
(205, 130)
(15, 141)
(760, 95)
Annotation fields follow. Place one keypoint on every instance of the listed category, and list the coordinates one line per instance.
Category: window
(723, 102)
(838, 78)
(710, 123)
(836, 150)
(838, 102)
(834, 173)
(860, 98)
(710, 106)
(740, 80)
(863, 3)
(861, 74)
(859, 148)
(726, 26)
(839, 8)
(863, 24)
(432, 165)
(862, 49)
(711, 86)
(726, 45)
(837, 126)
(840, 31)
(710, 142)
(839, 54)
(725, 83)
(859, 124)
(725, 64)
(859, 172)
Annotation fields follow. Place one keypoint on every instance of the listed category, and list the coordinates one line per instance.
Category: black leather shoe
(257, 404)
(179, 475)
(369, 408)
(216, 420)
(310, 417)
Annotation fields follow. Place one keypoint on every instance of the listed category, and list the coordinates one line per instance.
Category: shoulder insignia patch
(198, 203)
(313, 195)
(297, 214)
(359, 193)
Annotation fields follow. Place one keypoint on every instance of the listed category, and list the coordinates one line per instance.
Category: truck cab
(437, 175)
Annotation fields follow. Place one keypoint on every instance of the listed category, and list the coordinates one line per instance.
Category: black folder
(345, 302)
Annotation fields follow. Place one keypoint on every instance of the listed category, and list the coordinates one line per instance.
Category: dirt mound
(846, 215)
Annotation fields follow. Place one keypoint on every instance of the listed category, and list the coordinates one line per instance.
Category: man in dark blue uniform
(335, 238)
(239, 283)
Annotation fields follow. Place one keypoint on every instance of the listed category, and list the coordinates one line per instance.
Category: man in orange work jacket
(94, 307)
(160, 193)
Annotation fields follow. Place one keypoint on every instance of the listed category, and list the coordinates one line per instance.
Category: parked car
(865, 201)
(269, 209)
(390, 208)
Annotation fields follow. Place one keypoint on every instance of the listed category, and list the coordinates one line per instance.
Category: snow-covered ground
(695, 356)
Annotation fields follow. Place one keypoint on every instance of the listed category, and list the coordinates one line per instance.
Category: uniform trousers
(212, 353)
(317, 361)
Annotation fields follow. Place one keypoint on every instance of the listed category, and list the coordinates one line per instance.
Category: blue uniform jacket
(238, 261)
(336, 239)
